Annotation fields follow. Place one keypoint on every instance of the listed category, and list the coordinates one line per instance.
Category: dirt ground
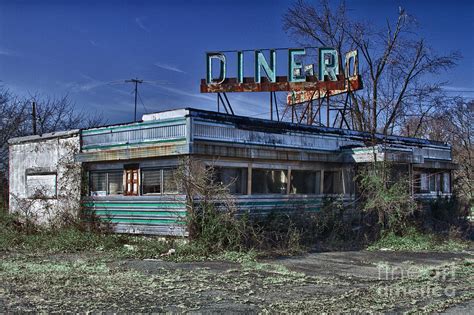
(358, 281)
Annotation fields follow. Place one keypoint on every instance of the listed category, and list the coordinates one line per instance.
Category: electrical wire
(143, 104)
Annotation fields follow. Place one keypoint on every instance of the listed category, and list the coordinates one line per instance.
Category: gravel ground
(353, 281)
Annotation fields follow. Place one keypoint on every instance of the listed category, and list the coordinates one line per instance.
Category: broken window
(332, 182)
(102, 183)
(305, 182)
(151, 181)
(41, 185)
(235, 179)
(269, 181)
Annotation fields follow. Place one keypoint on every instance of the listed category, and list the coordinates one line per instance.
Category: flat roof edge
(310, 128)
(45, 136)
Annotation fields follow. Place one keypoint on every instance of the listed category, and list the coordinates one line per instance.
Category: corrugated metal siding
(230, 133)
(134, 151)
(136, 134)
(161, 215)
(265, 204)
(166, 215)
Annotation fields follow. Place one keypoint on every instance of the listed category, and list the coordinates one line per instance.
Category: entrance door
(131, 182)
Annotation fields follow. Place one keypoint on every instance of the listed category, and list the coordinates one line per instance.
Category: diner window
(332, 182)
(265, 181)
(446, 181)
(115, 183)
(151, 181)
(349, 185)
(424, 182)
(305, 182)
(104, 183)
(232, 177)
(169, 181)
(432, 182)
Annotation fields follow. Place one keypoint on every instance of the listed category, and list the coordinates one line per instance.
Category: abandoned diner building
(125, 173)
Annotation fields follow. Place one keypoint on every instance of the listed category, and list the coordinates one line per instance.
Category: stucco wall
(45, 181)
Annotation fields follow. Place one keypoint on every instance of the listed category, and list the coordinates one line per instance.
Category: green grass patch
(414, 240)
(74, 239)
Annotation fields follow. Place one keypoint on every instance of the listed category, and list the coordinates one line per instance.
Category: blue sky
(80, 47)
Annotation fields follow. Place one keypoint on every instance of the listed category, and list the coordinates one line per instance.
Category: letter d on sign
(222, 64)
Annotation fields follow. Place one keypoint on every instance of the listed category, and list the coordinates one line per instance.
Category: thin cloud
(458, 89)
(185, 93)
(93, 43)
(6, 52)
(141, 24)
(89, 84)
(168, 67)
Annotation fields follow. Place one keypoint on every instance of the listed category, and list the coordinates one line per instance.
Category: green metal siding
(161, 215)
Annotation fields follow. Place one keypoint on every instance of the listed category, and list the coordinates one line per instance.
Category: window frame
(317, 181)
(341, 178)
(285, 171)
(175, 192)
(243, 180)
(143, 178)
(107, 191)
(34, 195)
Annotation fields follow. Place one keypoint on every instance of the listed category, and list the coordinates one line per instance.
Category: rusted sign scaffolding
(308, 107)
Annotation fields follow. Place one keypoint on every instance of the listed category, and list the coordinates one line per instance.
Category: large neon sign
(300, 79)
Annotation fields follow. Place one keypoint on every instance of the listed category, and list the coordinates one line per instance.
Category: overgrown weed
(415, 240)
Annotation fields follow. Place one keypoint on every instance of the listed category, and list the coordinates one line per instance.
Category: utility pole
(135, 81)
(33, 114)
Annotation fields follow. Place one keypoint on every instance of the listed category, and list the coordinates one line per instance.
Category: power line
(143, 104)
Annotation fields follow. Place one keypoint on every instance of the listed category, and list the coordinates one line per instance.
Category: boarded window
(234, 178)
(269, 181)
(151, 181)
(169, 181)
(332, 182)
(305, 182)
(41, 185)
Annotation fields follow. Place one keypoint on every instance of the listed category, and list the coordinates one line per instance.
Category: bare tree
(13, 120)
(55, 114)
(395, 62)
(454, 125)
(52, 114)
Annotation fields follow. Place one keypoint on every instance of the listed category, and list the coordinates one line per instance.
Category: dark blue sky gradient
(74, 47)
